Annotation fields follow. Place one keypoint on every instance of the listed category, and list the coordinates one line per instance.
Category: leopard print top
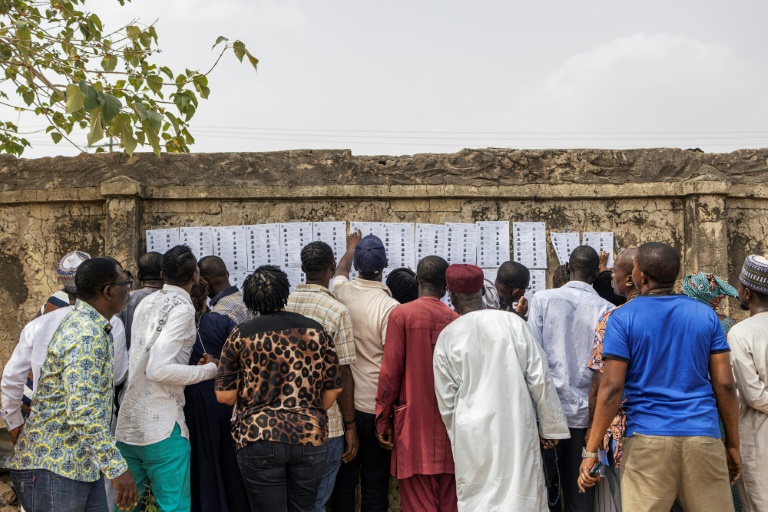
(279, 364)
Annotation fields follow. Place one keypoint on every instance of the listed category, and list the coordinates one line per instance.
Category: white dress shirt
(163, 335)
(563, 321)
(30, 354)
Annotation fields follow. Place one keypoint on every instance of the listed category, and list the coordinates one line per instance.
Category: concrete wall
(712, 207)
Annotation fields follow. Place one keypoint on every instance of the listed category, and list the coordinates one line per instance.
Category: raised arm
(345, 263)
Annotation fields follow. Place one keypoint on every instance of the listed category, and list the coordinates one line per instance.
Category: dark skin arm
(608, 402)
(346, 403)
(345, 263)
(597, 377)
(724, 387)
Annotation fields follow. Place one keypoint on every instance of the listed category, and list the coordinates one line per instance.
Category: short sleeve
(338, 283)
(719, 341)
(228, 375)
(331, 371)
(616, 340)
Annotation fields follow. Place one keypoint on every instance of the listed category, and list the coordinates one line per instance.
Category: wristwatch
(587, 455)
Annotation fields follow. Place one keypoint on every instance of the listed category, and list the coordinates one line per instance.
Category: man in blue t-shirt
(658, 350)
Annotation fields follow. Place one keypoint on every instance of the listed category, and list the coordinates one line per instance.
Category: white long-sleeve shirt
(563, 321)
(29, 355)
(163, 335)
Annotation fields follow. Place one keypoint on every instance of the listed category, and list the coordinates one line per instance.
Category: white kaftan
(749, 357)
(492, 382)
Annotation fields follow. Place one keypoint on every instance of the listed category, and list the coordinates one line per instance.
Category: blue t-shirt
(666, 341)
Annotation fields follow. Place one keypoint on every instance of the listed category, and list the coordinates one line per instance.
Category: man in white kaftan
(492, 382)
(749, 358)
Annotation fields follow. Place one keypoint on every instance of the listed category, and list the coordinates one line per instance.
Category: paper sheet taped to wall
(564, 244)
(600, 241)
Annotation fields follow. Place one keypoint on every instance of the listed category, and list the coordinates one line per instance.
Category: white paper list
(263, 243)
(295, 276)
(369, 228)
(237, 278)
(492, 243)
(530, 244)
(490, 274)
(398, 242)
(460, 243)
(200, 240)
(600, 241)
(538, 283)
(293, 237)
(564, 244)
(229, 245)
(430, 241)
(332, 233)
(160, 240)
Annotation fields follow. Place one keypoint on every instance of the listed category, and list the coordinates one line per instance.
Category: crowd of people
(193, 394)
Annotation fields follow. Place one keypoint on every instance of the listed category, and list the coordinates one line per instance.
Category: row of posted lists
(484, 243)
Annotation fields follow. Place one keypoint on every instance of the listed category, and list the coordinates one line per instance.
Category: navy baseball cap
(370, 255)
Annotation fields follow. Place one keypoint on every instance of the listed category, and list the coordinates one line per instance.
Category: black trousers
(371, 466)
(565, 458)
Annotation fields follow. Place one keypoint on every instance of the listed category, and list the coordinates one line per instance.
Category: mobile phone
(596, 469)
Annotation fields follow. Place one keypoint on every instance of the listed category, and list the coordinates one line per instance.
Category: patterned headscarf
(67, 267)
(754, 273)
(707, 288)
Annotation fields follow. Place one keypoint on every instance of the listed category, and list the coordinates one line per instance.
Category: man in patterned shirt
(623, 286)
(315, 301)
(66, 445)
(225, 298)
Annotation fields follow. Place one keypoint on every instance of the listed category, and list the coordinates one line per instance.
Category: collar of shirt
(581, 286)
(365, 283)
(86, 309)
(169, 288)
(222, 294)
(313, 288)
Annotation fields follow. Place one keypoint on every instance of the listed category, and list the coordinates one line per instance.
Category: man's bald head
(626, 260)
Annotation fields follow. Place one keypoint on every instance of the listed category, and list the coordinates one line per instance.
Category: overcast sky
(404, 77)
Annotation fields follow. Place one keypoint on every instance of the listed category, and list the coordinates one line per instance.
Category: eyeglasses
(128, 283)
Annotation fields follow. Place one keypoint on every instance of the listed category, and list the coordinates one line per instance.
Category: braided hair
(266, 290)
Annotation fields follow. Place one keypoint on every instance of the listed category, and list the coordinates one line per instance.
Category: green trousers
(163, 466)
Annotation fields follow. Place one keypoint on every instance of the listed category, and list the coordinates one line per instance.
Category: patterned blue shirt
(68, 431)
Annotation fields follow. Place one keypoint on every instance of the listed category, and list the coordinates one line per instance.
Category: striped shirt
(316, 302)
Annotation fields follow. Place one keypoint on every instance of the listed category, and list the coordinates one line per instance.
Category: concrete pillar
(122, 229)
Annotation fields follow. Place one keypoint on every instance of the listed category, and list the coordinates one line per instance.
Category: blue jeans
(332, 465)
(281, 477)
(40, 490)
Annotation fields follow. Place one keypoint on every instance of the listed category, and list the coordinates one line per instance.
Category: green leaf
(152, 137)
(239, 49)
(155, 83)
(91, 99)
(56, 136)
(109, 63)
(96, 22)
(28, 97)
(129, 143)
(133, 32)
(155, 120)
(220, 39)
(253, 60)
(153, 33)
(141, 110)
(110, 108)
(97, 130)
(167, 71)
(75, 98)
(145, 39)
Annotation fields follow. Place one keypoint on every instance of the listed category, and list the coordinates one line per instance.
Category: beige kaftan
(749, 357)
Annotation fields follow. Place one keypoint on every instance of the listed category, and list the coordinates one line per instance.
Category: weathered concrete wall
(712, 207)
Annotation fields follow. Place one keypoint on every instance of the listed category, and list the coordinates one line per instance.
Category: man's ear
(568, 268)
(302, 268)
